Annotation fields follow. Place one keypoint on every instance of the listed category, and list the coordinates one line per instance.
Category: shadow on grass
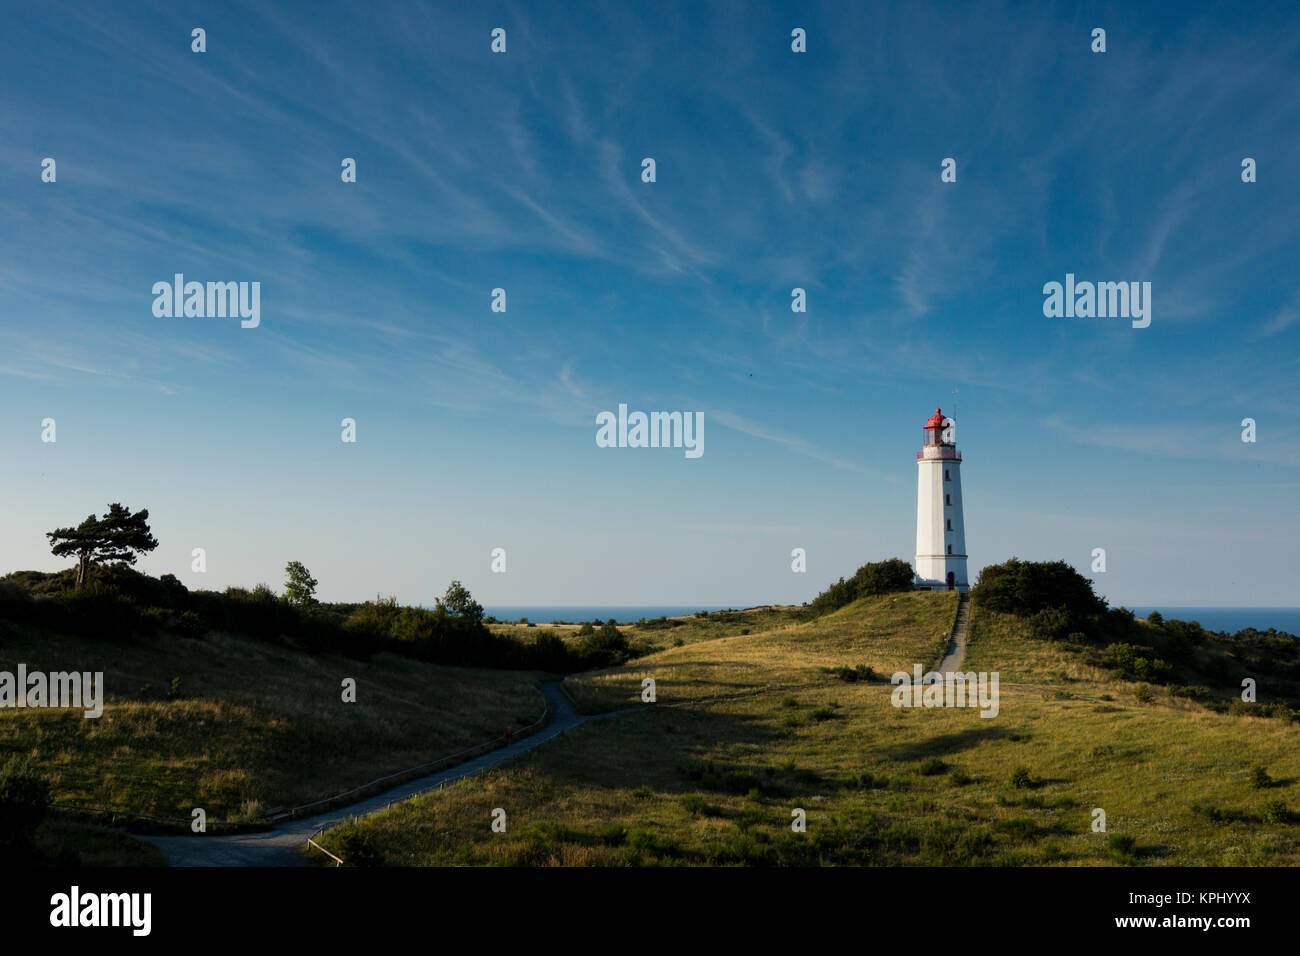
(944, 744)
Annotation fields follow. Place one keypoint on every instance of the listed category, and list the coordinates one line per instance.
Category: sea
(1232, 619)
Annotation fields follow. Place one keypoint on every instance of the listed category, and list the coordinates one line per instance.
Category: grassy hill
(237, 725)
(885, 633)
(649, 637)
(749, 727)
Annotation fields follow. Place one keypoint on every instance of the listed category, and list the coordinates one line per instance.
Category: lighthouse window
(947, 499)
(950, 549)
(949, 524)
(946, 476)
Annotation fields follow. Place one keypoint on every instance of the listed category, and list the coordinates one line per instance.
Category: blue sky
(775, 170)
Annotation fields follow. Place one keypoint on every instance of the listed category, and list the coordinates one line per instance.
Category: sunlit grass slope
(886, 633)
(748, 729)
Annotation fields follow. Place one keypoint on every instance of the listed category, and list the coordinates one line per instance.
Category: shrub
(1020, 778)
(1259, 778)
(357, 848)
(375, 617)
(1275, 811)
(1219, 815)
(852, 674)
(1018, 828)
(750, 817)
(1027, 587)
(868, 782)
(697, 806)
(932, 767)
(97, 610)
(1051, 624)
(1133, 663)
(960, 777)
(24, 798)
(607, 647)
(155, 619)
(1143, 693)
(1122, 845)
(650, 843)
(740, 781)
(882, 577)
(251, 811)
(189, 624)
(613, 835)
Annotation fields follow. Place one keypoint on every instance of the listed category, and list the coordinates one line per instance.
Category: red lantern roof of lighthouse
(936, 420)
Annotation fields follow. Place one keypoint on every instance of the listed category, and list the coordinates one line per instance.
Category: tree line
(104, 596)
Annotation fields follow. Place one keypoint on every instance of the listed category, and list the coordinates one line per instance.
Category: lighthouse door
(952, 579)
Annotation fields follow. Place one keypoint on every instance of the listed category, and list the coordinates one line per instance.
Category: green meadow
(749, 728)
(239, 726)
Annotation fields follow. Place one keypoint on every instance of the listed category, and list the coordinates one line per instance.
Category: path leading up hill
(957, 643)
(278, 847)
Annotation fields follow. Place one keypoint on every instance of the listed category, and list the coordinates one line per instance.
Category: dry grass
(253, 721)
(711, 774)
(886, 633)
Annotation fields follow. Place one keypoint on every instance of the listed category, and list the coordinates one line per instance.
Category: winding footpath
(279, 846)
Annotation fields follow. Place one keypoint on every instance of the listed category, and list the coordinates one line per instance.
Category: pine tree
(118, 538)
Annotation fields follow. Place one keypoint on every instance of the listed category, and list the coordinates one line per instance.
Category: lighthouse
(940, 531)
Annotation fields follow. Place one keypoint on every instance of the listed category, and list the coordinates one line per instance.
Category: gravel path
(279, 847)
(951, 662)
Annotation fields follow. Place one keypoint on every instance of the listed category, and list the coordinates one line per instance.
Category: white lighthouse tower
(940, 531)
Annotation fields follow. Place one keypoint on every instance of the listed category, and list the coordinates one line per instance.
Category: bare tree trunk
(83, 561)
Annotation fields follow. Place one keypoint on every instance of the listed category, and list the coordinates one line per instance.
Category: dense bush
(24, 798)
(355, 846)
(607, 647)
(1027, 587)
(660, 623)
(1134, 663)
(119, 603)
(859, 672)
(873, 578)
(1052, 624)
